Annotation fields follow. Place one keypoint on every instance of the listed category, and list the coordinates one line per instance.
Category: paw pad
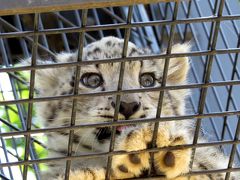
(134, 159)
(169, 159)
(123, 168)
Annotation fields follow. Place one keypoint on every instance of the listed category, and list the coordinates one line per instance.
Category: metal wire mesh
(212, 27)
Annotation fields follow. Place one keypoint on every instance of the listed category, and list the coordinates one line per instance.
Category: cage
(40, 29)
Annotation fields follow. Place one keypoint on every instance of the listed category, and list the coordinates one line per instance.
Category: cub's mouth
(105, 132)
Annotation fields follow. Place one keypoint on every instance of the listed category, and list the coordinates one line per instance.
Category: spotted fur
(96, 109)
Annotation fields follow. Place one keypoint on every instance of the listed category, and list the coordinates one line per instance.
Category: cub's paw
(131, 165)
(169, 163)
(175, 162)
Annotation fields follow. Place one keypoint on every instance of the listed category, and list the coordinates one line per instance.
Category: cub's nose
(128, 109)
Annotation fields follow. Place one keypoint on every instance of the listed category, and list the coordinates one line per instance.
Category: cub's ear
(178, 67)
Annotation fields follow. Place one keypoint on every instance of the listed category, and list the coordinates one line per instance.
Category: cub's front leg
(170, 163)
(86, 174)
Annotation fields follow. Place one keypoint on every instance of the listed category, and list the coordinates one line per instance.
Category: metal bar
(104, 154)
(39, 6)
(115, 22)
(121, 123)
(234, 149)
(207, 73)
(231, 88)
(3, 147)
(19, 108)
(105, 93)
(44, 38)
(64, 37)
(13, 139)
(69, 23)
(103, 61)
(76, 88)
(118, 97)
(116, 26)
(196, 74)
(163, 84)
(31, 94)
(17, 129)
(9, 26)
(95, 14)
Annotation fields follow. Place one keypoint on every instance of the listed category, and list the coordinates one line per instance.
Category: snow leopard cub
(96, 109)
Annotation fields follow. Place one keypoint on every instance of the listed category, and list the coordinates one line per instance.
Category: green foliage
(10, 114)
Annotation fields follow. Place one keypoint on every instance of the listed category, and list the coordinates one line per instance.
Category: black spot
(107, 55)
(61, 85)
(71, 83)
(153, 63)
(109, 43)
(66, 110)
(178, 138)
(89, 53)
(103, 89)
(149, 145)
(123, 168)
(130, 134)
(76, 138)
(134, 158)
(144, 173)
(91, 172)
(107, 109)
(87, 146)
(66, 123)
(71, 59)
(97, 50)
(120, 44)
(133, 51)
(202, 166)
(52, 116)
(62, 133)
(64, 93)
(62, 152)
(169, 159)
(145, 108)
(143, 116)
(97, 66)
(70, 91)
(59, 105)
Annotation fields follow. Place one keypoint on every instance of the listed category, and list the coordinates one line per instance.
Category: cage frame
(127, 26)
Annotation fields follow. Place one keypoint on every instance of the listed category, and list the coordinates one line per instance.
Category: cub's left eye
(147, 79)
(91, 80)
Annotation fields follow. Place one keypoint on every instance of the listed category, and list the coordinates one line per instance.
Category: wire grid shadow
(212, 27)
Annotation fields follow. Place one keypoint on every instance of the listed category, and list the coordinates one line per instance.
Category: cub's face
(105, 77)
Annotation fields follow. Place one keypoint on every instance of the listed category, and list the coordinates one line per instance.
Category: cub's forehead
(109, 47)
(131, 67)
(112, 47)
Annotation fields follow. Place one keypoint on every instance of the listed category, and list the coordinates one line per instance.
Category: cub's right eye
(91, 80)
